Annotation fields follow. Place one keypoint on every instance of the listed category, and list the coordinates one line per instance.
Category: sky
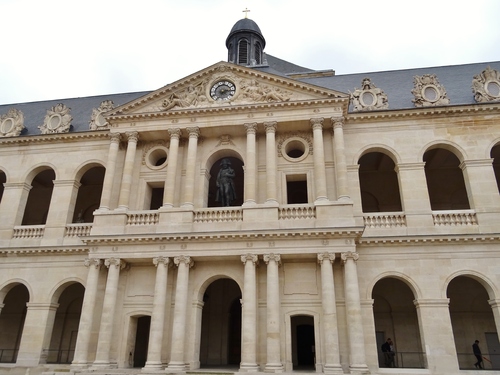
(56, 49)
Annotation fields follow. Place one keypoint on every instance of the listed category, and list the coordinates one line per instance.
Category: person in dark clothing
(477, 353)
(389, 354)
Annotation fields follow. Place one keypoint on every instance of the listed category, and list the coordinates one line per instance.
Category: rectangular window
(296, 189)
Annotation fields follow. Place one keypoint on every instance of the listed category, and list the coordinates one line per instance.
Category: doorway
(141, 341)
(303, 343)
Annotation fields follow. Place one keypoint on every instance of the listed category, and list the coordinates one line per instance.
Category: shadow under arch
(396, 275)
(453, 147)
(482, 279)
(378, 147)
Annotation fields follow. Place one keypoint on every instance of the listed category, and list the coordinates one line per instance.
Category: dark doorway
(296, 192)
(141, 341)
(303, 343)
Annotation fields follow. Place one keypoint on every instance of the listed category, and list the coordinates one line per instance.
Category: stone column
(128, 169)
(249, 316)
(357, 360)
(340, 162)
(194, 133)
(271, 168)
(481, 185)
(109, 177)
(80, 358)
(436, 333)
(108, 312)
(330, 326)
(12, 207)
(319, 160)
(273, 314)
(251, 165)
(169, 192)
(158, 315)
(495, 308)
(37, 330)
(184, 263)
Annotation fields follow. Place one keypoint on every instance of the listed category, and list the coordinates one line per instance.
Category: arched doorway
(472, 319)
(221, 325)
(303, 343)
(12, 319)
(89, 195)
(396, 317)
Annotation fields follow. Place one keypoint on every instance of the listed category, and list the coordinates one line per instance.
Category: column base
(333, 369)
(274, 367)
(98, 365)
(249, 367)
(153, 366)
(79, 366)
(359, 369)
(175, 367)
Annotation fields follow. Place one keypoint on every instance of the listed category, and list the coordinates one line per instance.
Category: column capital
(272, 256)
(193, 131)
(251, 127)
(93, 262)
(165, 261)
(494, 303)
(132, 136)
(187, 260)
(338, 121)
(317, 123)
(250, 257)
(326, 256)
(349, 255)
(270, 126)
(115, 137)
(174, 132)
(117, 262)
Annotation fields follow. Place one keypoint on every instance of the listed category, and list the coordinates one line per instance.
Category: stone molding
(12, 123)
(57, 120)
(368, 97)
(486, 86)
(97, 119)
(428, 92)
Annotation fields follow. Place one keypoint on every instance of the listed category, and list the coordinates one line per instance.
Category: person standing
(477, 352)
(389, 354)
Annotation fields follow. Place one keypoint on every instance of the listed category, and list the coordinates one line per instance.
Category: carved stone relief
(486, 86)
(11, 123)
(253, 91)
(192, 96)
(428, 91)
(57, 120)
(97, 120)
(368, 97)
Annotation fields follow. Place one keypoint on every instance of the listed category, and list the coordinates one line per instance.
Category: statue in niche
(226, 192)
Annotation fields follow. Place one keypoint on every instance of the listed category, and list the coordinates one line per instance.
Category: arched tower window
(243, 52)
(258, 53)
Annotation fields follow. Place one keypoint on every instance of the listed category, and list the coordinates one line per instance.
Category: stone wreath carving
(486, 86)
(428, 91)
(97, 120)
(368, 97)
(57, 120)
(11, 123)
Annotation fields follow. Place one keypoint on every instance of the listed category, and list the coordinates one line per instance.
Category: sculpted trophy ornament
(11, 123)
(368, 97)
(57, 120)
(428, 92)
(486, 86)
(97, 120)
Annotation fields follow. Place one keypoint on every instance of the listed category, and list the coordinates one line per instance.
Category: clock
(222, 91)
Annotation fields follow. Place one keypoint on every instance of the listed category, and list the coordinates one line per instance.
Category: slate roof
(397, 84)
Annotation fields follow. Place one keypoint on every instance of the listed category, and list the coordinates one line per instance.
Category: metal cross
(246, 12)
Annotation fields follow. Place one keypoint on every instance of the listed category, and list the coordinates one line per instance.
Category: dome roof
(245, 25)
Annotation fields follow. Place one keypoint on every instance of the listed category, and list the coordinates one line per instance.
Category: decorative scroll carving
(349, 255)
(11, 123)
(57, 120)
(486, 86)
(93, 262)
(253, 91)
(161, 260)
(368, 97)
(97, 120)
(272, 256)
(225, 140)
(326, 256)
(428, 91)
(117, 262)
(187, 260)
(250, 257)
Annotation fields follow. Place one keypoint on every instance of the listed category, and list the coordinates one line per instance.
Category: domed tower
(245, 43)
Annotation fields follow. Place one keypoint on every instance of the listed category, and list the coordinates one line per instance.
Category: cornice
(423, 112)
(424, 240)
(49, 138)
(43, 250)
(347, 233)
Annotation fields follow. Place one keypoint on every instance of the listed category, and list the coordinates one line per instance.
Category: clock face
(222, 90)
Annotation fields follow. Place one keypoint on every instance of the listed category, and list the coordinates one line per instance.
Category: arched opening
(395, 317)
(37, 206)
(67, 319)
(303, 343)
(445, 181)
(219, 185)
(3, 180)
(221, 325)
(12, 319)
(378, 183)
(495, 155)
(472, 319)
(89, 195)
(243, 52)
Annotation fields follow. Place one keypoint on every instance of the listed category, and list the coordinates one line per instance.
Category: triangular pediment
(225, 85)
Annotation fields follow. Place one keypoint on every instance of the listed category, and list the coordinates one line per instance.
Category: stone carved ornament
(368, 97)
(97, 120)
(253, 91)
(486, 86)
(11, 123)
(428, 91)
(57, 120)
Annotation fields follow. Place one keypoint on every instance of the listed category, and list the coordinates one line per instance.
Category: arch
(57, 290)
(35, 170)
(39, 197)
(454, 148)
(85, 167)
(396, 275)
(378, 147)
(8, 285)
(482, 279)
(291, 351)
(226, 152)
(88, 198)
(243, 50)
(201, 288)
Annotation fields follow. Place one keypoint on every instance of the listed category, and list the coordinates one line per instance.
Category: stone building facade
(255, 216)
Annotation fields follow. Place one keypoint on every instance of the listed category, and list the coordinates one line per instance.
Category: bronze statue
(226, 192)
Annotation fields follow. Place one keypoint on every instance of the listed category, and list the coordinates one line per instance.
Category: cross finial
(246, 12)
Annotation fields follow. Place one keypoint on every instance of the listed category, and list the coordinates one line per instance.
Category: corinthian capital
(174, 132)
(317, 123)
(338, 121)
(194, 132)
(272, 257)
(250, 257)
(349, 255)
(184, 259)
(93, 262)
(251, 127)
(326, 256)
(161, 261)
(270, 126)
(117, 262)
(133, 136)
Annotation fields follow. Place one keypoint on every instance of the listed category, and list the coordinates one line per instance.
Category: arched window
(495, 155)
(445, 180)
(37, 206)
(378, 183)
(243, 51)
(258, 53)
(89, 195)
(3, 180)
(12, 322)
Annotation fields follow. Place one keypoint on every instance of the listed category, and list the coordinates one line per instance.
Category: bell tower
(245, 43)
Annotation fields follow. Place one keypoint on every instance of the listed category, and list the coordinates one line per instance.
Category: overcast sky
(55, 49)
